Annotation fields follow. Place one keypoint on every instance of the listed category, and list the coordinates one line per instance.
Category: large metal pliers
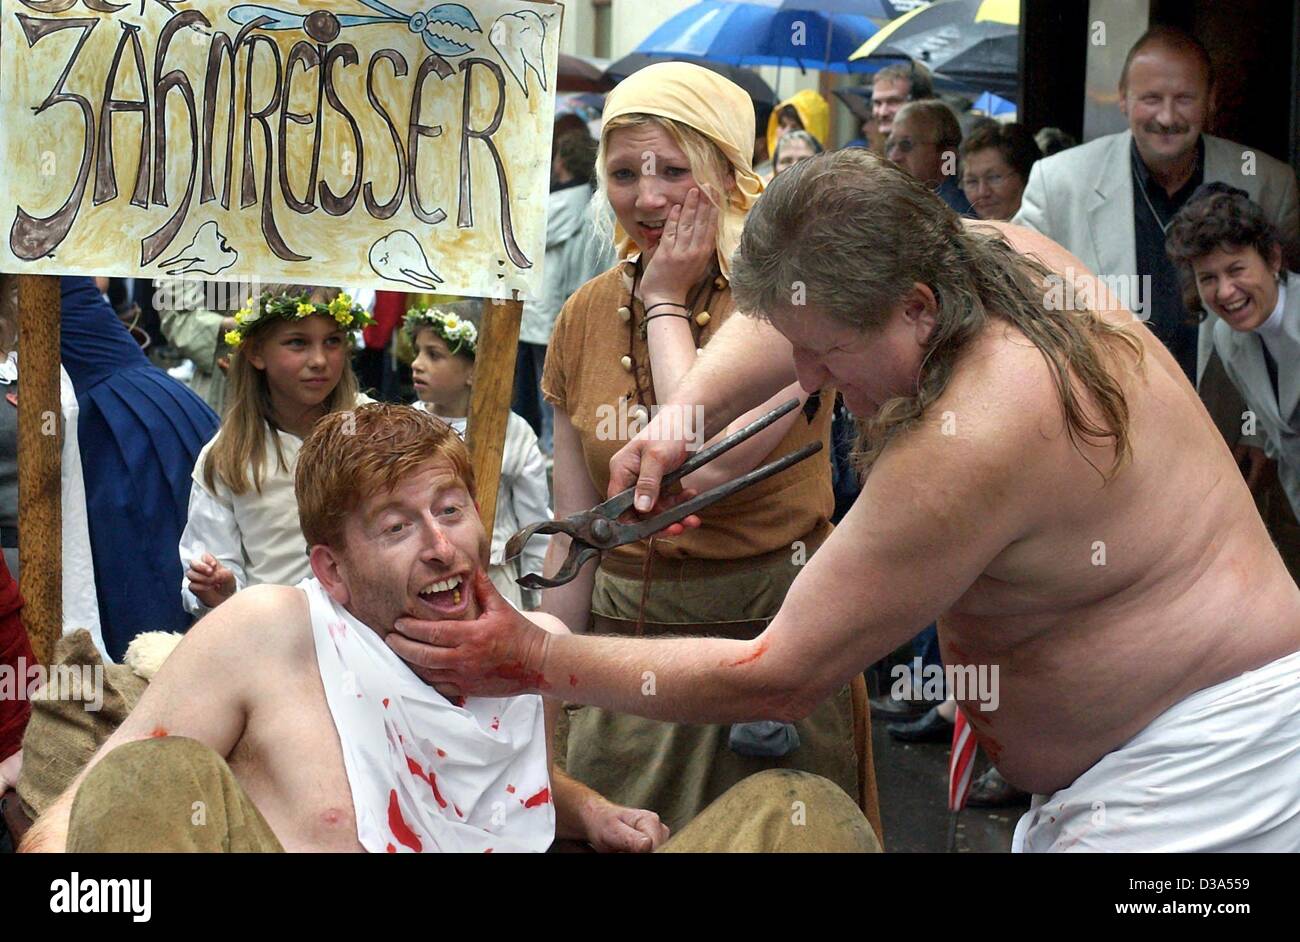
(599, 529)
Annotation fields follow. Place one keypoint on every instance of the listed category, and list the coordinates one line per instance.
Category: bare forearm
(689, 680)
(672, 352)
(747, 362)
(747, 456)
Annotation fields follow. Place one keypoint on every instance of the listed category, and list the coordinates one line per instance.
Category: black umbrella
(974, 42)
(750, 81)
(580, 74)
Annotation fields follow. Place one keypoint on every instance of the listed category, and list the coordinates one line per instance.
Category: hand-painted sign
(357, 143)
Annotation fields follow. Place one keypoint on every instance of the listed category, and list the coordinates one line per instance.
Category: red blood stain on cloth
(437, 795)
(750, 658)
(416, 769)
(429, 777)
(385, 703)
(496, 722)
(515, 671)
(158, 733)
(441, 754)
(510, 789)
(540, 798)
(459, 813)
(392, 849)
(397, 824)
(488, 850)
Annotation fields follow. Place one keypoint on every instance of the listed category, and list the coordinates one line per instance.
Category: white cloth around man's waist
(1217, 771)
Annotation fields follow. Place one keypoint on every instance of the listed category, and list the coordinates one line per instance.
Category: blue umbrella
(761, 34)
(993, 105)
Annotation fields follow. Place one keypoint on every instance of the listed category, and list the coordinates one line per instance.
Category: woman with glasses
(995, 162)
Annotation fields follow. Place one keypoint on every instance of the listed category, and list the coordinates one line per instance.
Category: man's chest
(290, 762)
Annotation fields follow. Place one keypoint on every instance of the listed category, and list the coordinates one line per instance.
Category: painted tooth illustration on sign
(519, 39)
(399, 257)
(208, 253)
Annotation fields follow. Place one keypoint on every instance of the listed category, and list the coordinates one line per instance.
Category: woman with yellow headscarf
(674, 167)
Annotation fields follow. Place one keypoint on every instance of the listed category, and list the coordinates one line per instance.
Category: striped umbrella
(971, 41)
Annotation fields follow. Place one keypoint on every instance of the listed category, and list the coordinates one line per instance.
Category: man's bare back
(1117, 601)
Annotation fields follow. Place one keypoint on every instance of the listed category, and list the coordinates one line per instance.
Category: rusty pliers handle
(595, 530)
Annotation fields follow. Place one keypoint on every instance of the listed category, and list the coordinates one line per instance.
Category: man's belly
(1066, 690)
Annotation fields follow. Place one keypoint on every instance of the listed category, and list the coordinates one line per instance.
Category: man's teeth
(1236, 307)
(653, 225)
(445, 586)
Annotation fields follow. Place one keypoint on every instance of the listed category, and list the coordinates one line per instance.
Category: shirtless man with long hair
(1043, 481)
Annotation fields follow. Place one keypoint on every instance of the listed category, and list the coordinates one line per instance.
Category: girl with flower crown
(289, 367)
(445, 340)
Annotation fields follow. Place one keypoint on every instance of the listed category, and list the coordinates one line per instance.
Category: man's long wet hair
(857, 232)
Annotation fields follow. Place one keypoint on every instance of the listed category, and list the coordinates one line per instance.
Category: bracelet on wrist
(667, 304)
(645, 324)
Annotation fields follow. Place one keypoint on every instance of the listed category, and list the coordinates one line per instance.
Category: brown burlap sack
(62, 735)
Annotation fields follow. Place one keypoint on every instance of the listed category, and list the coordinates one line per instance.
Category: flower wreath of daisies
(295, 307)
(460, 335)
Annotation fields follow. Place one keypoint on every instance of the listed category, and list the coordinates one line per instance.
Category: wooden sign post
(489, 407)
(40, 437)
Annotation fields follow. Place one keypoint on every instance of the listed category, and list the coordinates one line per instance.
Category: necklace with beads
(698, 318)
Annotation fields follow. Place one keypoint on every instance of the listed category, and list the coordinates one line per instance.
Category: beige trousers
(176, 794)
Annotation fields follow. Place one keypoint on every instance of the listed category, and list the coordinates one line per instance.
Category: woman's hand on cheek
(685, 253)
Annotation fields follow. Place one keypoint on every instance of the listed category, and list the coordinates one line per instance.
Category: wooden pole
(40, 438)
(494, 382)
(489, 407)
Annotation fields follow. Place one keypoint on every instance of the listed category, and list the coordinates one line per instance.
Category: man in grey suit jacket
(1110, 200)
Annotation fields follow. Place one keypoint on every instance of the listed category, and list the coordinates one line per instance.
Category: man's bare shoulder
(262, 621)
(1002, 390)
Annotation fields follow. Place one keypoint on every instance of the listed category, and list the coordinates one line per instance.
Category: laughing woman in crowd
(1230, 259)
(675, 165)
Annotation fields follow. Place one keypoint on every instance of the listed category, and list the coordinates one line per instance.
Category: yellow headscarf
(814, 112)
(716, 107)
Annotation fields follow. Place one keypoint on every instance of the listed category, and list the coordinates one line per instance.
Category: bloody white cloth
(1217, 771)
(425, 774)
